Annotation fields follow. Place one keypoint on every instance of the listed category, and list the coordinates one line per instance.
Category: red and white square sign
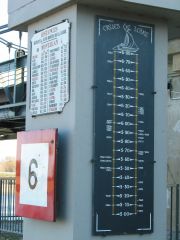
(35, 174)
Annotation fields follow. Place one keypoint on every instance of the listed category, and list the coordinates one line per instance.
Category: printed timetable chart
(50, 69)
(124, 127)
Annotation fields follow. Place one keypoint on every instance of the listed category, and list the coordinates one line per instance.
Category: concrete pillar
(75, 127)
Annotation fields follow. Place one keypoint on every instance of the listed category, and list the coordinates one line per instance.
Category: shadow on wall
(62, 180)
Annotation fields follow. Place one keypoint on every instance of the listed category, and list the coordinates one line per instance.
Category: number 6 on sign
(35, 175)
(32, 174)
(34, 169)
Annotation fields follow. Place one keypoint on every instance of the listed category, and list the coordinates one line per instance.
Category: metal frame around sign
(32, 200)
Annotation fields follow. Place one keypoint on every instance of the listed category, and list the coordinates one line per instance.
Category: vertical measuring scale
(114, 133)
(125, 133)
(124, 128)
(136, 139)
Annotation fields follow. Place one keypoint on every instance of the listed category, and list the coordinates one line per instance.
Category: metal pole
(177, 212)
(171, 213)
(15, 66)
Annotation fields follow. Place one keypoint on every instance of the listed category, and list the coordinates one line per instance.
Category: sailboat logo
(129, 44)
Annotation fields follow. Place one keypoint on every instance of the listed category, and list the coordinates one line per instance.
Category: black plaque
(124, 127)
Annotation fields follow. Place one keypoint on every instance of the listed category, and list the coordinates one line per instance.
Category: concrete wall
(65, 122)
(20, 11)
(22, 4)
(173, 141)
(173, 129)
(19, 4)
(174, 4)
(174, 113)
(85, 71)
(75, 125)
(21, 14)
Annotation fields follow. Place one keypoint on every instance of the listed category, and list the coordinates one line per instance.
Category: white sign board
(34, 174)
(50, 69)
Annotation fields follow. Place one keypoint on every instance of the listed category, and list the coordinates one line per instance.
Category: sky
(4, 52)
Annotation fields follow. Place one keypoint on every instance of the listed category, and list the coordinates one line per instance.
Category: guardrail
(9, 223)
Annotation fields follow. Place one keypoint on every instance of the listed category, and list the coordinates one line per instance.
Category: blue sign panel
(124, 127)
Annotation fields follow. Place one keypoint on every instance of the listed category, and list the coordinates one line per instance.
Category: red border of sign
(37, 212)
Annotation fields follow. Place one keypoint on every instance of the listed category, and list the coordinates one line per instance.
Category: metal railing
(8, 221)
(13, 77)
(173, 212)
